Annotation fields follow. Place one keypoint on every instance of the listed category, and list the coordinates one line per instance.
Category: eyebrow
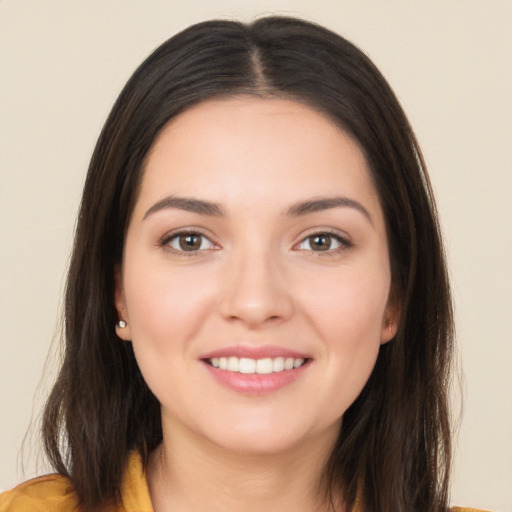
(187, 204)
(210, 209)
(326, 203)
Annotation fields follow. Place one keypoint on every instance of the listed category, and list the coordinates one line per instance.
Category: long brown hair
(394, 445)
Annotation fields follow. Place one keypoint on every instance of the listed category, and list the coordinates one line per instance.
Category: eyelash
(344, 243)
(167, 239)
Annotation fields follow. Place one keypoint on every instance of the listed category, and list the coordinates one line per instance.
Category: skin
(255, 279)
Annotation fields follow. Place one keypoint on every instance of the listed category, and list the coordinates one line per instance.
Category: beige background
(63, 62)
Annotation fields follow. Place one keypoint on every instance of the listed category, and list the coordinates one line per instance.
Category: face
(256, 276)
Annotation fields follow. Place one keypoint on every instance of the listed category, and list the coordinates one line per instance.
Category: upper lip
(255, 352)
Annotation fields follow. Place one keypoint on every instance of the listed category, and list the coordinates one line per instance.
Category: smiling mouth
(263, 366)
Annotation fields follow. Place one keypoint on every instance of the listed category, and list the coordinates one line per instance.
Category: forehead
(246, 149)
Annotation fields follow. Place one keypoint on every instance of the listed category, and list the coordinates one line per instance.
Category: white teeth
(278, 364)
(247, 365)
(232, 364)
(264, 365)
(258, 366)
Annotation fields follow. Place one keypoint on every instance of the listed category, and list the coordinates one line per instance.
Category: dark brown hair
(394, 445)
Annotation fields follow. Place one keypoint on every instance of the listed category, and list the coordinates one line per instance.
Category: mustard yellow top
(54, 493)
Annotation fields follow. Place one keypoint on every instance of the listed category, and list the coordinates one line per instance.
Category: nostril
(253, 297)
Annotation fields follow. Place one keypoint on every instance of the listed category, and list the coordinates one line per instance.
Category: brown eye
(190, 242)
(322, 242)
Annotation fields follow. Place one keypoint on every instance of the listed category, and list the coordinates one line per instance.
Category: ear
(391, 319)
(120, 303)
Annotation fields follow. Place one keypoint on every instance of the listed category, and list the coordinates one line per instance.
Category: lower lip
(254, 383)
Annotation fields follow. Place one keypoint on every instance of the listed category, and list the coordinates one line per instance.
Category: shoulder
(54, 493)
(466, 509)
(50, 493)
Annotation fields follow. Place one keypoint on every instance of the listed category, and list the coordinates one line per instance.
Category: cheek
(165, 311)
(348, 318)
(165, 306)
(350, 308)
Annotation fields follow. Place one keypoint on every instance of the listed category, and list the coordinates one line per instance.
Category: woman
(257, 311)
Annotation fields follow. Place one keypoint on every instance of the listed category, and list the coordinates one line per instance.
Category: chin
(252, 439)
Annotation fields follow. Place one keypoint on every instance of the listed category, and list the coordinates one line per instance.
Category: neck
(189, 473)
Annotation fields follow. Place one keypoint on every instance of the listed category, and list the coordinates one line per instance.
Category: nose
(255, 291)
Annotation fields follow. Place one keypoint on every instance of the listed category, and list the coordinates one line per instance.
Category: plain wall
(62, 64)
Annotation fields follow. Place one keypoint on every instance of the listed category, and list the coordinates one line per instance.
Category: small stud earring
(121, 324)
